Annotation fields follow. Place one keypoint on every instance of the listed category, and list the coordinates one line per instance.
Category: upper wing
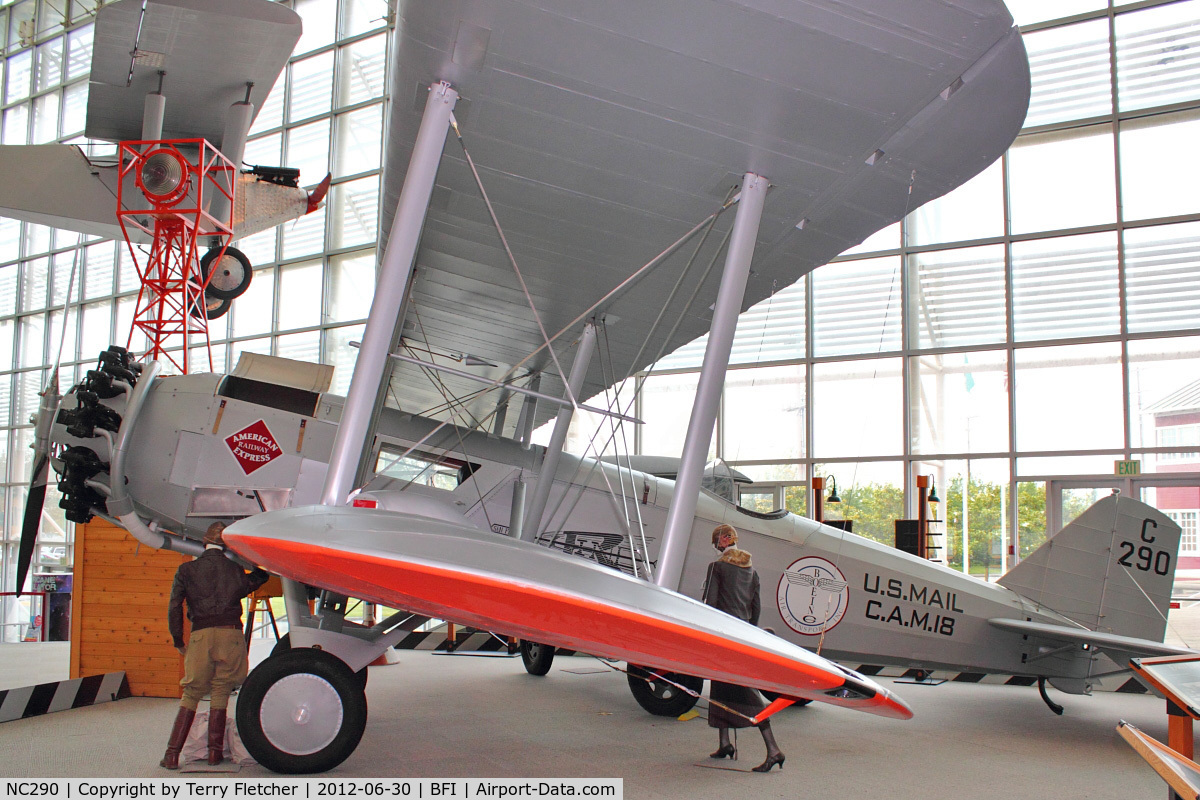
(453, 571)
(1119, 648)
(604, 131)
(209, 49)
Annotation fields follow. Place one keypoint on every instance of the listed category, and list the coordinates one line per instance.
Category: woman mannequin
(732, 586)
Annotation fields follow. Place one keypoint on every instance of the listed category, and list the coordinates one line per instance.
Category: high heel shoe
(725, 751)
(770, 762)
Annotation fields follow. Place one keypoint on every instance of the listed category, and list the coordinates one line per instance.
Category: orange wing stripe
(536, 612)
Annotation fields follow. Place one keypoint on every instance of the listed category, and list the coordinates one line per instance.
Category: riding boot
(179, 732)
(216, 735)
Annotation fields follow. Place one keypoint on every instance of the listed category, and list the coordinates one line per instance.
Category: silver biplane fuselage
(847, 596)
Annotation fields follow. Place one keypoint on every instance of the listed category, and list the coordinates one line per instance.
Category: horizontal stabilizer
(1119, 648)
(459, 573)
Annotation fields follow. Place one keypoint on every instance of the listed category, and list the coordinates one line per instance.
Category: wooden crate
(119, 610)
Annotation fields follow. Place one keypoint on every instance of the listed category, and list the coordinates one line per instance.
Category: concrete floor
(439, 716)
(452, 716)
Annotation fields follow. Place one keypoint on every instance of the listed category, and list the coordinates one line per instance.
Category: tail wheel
(536, 657)
(231, 273)
(661, 697)
(301, 711)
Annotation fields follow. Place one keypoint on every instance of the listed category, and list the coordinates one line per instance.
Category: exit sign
(1128, 467)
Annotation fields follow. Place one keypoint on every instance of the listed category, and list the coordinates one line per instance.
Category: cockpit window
(722, 486)
(427, 469)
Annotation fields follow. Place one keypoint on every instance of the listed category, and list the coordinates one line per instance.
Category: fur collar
(739, 558)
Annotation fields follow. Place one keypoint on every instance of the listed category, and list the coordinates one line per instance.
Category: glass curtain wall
(313, 278)
(1036, 325)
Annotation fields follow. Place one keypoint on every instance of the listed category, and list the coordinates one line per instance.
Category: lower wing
(56, 185)
(460, 573)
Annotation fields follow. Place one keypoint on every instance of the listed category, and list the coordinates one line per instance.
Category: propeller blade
(33, 519)
(32, 522)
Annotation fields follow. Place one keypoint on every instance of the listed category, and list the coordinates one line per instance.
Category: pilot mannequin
(212, 586)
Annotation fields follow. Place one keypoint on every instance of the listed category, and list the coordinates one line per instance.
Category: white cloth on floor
(196, 746)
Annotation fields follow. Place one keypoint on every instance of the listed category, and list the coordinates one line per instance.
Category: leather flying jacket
(213, 588)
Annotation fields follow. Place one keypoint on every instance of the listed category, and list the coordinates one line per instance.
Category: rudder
(1111, 569)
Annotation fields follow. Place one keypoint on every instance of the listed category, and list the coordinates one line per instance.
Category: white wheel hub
(227, 273)
(301, 714)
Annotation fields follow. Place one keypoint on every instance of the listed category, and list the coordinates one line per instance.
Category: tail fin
(1111, 569)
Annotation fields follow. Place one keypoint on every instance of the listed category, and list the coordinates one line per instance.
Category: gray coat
(732, 586)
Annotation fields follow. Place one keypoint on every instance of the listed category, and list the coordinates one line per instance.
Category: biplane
(571, 190)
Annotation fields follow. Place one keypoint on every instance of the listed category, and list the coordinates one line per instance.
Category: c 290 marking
(1143, 557)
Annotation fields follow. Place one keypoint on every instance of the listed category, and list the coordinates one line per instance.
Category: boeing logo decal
(812, 596)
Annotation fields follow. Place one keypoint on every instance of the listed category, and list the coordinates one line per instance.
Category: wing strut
(541, 493)
(524, 432)
(394, 274)
(682, 514)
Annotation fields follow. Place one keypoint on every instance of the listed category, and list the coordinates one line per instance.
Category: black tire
(536, 657)
(214, 308)
(315, 685)
(285, 643)
(659, 697)
(282, 646)
(232, 276)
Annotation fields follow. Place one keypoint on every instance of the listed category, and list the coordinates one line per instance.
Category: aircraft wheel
(285, 644)
(282, 646)
(659, 697)
(536, 657)
(231, 274)
(301, 711)
(214, 307)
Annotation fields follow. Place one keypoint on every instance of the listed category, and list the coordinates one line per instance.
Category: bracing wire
(636, 275)
(512, 259)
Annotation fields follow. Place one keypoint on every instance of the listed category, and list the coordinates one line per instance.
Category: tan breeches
(215, 662)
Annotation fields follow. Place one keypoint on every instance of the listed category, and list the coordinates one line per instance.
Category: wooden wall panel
(119, 610)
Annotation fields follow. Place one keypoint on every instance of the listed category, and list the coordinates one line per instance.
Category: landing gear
(661, 697)
(537, 658)
(301, 711)
(214, 307)
(231, 273)
(285, 644)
